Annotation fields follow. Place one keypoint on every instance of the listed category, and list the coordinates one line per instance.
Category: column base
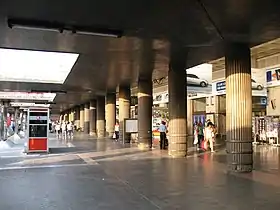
(86, 127)
(240, 168)
(101, 134)
(239, 156)
(93, 133)
(110, 134)
(143, 146)
(177, 154)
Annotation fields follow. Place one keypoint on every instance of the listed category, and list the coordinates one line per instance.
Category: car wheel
(203, 84)
(259, 87)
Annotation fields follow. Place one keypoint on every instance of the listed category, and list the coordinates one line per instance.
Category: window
(192, 76)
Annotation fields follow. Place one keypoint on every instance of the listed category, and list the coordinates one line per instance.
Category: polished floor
(104, 174)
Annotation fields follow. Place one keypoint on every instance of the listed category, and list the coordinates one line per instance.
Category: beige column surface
(124, 109)
(239, 108)
(86, 120)
(110, 114)
(100, 118)
(82, 117)
(145, 103)
(190, 116)
(177, 130)
(92, 118)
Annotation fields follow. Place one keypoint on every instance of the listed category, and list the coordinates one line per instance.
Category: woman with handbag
(209, 137)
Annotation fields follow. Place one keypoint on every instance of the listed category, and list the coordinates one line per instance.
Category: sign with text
(258, 84)
(273, 77)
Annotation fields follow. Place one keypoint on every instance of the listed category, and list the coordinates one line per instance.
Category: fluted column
(61, 117)
(110, 114)
(70, 115)
(190, 116)
(86, 120)
(145, 103)
(239, 108)
(65, 117)
(82, 117)
(100, 122)
(92, 118)
(124, 109)
(77, 117)
(177, 103)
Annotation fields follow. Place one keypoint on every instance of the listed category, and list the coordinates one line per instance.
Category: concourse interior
(87, 89)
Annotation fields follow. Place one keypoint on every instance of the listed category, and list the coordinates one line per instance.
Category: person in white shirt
(209, 136)
(117, 131)
(70, 129)
(163, 129)
(57, 129)
(63, 129)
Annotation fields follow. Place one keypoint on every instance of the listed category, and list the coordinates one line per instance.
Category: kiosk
(38, 130)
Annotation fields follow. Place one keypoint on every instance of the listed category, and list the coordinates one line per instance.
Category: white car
(256, 86)
(195, 80)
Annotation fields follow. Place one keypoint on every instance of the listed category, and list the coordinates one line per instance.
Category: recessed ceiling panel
(35, 66)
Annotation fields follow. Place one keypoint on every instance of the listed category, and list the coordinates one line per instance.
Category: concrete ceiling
(257, 52)
(202, 26)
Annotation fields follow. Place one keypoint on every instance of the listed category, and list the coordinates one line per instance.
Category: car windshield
(253, 81)
(192, 76)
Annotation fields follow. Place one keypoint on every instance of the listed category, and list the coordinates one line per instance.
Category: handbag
(195, 140)
(204, 145)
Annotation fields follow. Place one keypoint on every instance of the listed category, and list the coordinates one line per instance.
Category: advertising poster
(199, 81)
(273, 77)
(199, 84)
(258, 81)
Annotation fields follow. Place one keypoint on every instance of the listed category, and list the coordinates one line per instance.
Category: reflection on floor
(104, 174)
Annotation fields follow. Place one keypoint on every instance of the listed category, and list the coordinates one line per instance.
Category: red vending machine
(38, 130)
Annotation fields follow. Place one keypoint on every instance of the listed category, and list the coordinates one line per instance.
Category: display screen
(38, 130)
(38, 118)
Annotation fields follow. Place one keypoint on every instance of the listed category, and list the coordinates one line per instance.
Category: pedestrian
(162, 129)
(209, 137)
(116, 135)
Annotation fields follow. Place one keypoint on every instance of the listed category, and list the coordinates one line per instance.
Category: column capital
(86, 105)
(177, 57)
(93, 104)
(239, 108)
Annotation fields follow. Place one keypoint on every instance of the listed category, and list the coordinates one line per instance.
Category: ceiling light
(35, 25)
(60, 27)
(98, 34)
(49, 91)
(35, 66)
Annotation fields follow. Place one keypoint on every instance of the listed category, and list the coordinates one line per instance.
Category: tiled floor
(107, 175)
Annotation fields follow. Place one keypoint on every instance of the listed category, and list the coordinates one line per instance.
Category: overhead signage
(16, 104)
(258, 84)
(199, 84)
(27, 96)
(273, 77)
(199, 81)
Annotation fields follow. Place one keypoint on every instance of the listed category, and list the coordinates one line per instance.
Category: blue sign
(220, 86)
(263, 101)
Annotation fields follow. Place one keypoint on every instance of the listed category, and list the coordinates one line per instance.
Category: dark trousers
(200, 139)
(162, 140)
(117, 135)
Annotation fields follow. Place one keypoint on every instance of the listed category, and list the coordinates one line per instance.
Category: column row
(99, 116)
